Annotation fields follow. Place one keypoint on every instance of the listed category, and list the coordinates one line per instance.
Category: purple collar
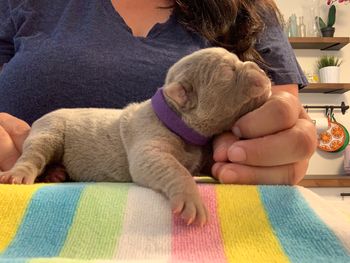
(173, 122)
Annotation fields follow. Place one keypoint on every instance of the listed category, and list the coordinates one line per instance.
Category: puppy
(158, 143)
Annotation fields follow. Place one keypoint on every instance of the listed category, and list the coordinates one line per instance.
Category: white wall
(323, 163)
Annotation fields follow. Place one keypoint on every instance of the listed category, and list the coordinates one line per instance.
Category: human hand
(13, 132)
(279, 140)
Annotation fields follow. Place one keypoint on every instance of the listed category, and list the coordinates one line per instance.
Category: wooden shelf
(314, 181)
(322, 43)
(326, 182)
(329, 88)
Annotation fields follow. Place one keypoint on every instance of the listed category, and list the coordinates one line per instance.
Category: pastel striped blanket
(117, 222)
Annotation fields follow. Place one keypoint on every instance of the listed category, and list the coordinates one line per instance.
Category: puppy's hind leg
(43, 145)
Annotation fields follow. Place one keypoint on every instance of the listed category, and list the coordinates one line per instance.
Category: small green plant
(327, 61)
(330, 18)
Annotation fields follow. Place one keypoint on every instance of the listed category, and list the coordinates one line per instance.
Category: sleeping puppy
(159, 143)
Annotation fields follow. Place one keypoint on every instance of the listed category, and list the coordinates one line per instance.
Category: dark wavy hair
(232, 24)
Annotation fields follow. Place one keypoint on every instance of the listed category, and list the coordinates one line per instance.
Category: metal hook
(343, 107)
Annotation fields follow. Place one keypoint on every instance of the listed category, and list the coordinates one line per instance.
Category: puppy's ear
(179, 95)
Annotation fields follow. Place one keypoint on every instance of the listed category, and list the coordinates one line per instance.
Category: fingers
(221, 144)
(280, 140)
(304, 115)
(281, 112)
(8, 153)
(17, 129)
(289, 174)
(277, 135)
(285, 147)
(13, 132)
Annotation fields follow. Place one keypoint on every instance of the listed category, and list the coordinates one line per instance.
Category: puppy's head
(212, 88)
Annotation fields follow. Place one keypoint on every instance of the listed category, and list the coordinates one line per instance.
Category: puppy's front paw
(191, 208)
(16, 177)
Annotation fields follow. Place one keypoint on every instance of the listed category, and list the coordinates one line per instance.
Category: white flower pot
(329, 74)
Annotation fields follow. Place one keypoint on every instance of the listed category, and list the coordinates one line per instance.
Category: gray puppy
(158, 143)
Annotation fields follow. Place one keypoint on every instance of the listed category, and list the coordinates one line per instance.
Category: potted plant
(327, 29)
(329, 70)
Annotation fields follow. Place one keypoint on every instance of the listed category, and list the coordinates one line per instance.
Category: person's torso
(81, 53)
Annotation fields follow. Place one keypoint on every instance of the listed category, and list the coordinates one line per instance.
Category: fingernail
(228, 176)
(220, 153)
(215, 168)
(236, 131)
(236, 154)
